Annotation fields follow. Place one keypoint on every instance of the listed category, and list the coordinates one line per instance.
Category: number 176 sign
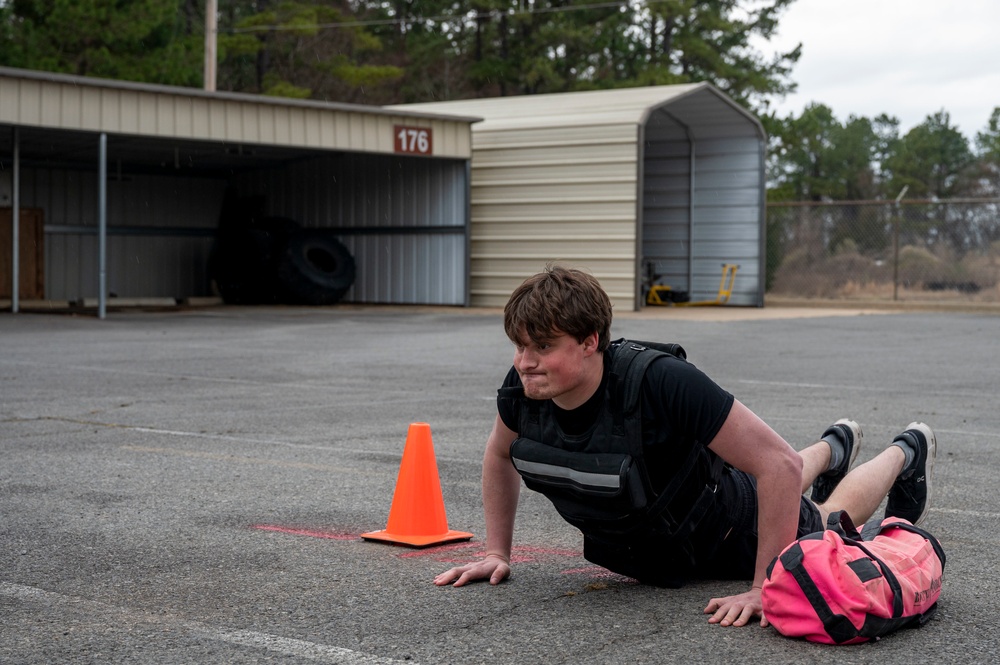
(413, 140)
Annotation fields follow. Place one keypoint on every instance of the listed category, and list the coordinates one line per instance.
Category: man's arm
(501, 488)
(750, 445)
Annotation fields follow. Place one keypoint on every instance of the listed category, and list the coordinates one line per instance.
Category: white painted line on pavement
(275, 442)
(291, 647)
(323, 653)
(230, 438)
(833, 386)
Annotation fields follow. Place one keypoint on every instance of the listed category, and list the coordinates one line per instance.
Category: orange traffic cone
(417, 516)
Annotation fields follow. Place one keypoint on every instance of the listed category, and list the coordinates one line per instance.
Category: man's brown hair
(559, 300)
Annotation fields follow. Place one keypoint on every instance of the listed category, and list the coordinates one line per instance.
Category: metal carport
(394, 185)
(613, 181)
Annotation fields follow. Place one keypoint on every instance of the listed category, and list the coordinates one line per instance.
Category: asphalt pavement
(189, 486)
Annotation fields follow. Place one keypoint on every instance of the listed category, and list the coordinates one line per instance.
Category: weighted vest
(599, 481)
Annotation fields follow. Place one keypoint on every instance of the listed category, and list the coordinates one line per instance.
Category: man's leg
(863, 489)
(815, 460)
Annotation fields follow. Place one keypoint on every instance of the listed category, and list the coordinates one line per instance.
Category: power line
(435, 19)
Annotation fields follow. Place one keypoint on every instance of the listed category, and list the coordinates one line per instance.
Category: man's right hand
(493, 567)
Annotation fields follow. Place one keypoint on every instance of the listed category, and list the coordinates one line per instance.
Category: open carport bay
(190, 486)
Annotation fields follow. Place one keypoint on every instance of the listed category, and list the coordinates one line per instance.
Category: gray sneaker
(910, 496)
(850, 432)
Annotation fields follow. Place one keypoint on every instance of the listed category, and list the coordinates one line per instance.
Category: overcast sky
(906, 58)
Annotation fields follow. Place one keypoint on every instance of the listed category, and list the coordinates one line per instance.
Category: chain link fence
(936, 251)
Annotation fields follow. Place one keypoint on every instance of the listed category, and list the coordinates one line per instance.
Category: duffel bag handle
(840, 522)
(875, 528)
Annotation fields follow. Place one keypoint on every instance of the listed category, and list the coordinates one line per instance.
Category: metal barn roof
(37, 101)
(597, 107)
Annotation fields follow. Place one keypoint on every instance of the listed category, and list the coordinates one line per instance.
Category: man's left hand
(736, 610)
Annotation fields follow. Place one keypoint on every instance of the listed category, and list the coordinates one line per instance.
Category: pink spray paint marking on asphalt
(462, 552)
(451, 553)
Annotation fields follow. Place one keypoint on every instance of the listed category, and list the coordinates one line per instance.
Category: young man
(651, 493)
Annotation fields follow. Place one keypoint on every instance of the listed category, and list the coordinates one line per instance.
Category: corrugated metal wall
(702, 205)
(403, 219)
(551, 194)
(159, 232)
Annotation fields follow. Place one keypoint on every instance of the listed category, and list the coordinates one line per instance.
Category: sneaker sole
(928, 465)
(857, 437)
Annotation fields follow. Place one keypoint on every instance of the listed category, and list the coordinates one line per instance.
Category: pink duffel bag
(843, 587)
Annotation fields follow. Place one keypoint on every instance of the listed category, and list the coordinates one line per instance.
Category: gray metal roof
(195, 93)
(156, 127)
(597, 107)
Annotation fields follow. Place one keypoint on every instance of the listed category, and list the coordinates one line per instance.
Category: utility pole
(895, 242)
(211, 36)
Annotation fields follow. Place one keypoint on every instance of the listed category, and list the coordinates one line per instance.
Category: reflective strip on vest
(579, 477)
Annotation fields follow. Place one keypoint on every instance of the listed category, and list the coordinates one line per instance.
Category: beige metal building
(615, 181)
(393, 183)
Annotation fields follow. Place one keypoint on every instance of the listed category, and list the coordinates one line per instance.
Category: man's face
(556, 368)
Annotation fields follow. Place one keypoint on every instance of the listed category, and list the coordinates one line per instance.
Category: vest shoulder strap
(628, 368)
(671, 348)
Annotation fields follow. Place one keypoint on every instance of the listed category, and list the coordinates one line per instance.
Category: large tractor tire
(315, 268)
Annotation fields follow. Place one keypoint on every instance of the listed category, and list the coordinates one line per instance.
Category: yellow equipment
(662, 294)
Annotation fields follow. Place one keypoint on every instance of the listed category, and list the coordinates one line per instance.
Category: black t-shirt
(681, 407)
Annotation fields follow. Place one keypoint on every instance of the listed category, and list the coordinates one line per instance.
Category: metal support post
(102, 227)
